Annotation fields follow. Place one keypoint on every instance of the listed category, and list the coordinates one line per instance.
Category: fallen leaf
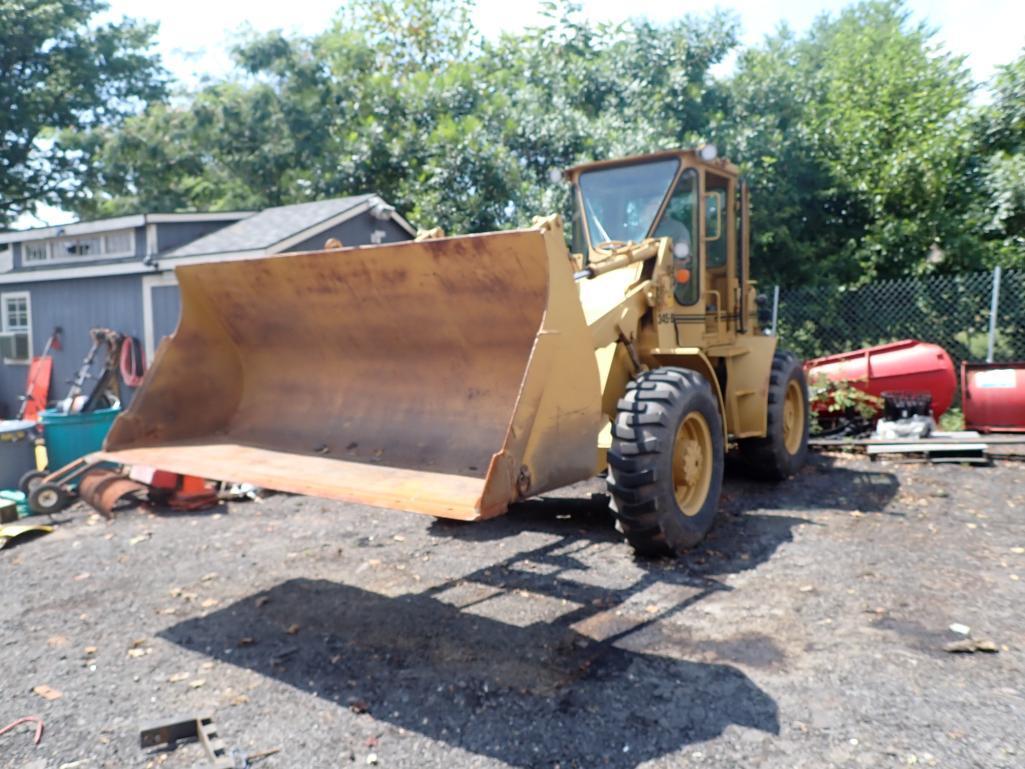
(197, 683)
(47, 692)
(293, 628)
(358, 706)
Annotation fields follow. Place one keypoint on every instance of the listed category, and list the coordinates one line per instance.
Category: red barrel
(906, 366)
(994, 396)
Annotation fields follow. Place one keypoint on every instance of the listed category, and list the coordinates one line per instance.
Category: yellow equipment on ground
(454, 376)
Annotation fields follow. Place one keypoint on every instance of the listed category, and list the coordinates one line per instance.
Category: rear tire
(48, 498)
(666, 461)
(30, 480)
(784, 449)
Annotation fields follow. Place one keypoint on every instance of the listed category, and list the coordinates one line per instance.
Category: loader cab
(697, 200)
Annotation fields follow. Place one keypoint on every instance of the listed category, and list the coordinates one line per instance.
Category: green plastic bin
(71, 436)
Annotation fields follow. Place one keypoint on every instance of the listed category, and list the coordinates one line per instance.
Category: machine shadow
(535, 694)
(602, 683)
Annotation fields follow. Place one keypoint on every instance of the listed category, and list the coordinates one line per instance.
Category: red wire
(24, 720)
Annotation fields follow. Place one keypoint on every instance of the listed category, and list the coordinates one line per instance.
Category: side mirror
(713, 215)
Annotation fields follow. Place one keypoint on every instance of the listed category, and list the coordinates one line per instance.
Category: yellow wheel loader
(455, 375)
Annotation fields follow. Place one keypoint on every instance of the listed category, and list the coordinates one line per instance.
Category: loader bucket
(447, 376)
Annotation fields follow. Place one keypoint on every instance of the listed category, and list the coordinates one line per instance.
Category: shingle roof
(270, 226)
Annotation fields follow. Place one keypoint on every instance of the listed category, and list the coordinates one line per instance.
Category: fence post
(775, 308)
(994, 305)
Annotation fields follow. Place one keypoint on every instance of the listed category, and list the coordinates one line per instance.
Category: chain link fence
(952, 311)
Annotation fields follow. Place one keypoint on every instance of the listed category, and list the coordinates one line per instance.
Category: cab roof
(689, 156)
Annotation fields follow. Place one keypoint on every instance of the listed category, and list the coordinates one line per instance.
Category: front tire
(666, 461)
(784, 449)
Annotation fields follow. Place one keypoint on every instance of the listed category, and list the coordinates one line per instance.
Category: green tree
(1001, 209)
(453, 129)
(59, 70)
(865, 123)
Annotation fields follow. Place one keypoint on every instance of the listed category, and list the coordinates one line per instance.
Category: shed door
(161, 305)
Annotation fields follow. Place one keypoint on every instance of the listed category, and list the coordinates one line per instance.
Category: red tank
(994, 396)
(906, 366)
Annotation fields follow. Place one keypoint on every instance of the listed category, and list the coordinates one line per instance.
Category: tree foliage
(58, 71)
(867, 155)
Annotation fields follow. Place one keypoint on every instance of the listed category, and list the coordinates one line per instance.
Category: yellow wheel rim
(692, 463)
(793, 417)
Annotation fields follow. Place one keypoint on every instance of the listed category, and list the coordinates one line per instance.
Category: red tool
(37, 391)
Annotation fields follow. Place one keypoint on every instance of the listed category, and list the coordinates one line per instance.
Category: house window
(86, 246)
(16, 340)
(121, 243)
(111, 244)
(38, 251)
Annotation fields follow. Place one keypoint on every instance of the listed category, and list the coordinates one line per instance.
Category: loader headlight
(681, 250)
(708, 152)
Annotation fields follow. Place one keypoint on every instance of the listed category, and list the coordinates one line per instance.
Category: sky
(196, 35)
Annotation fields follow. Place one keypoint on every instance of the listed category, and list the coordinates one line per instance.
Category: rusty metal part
(188, 728)
(420, 375)
(102, 489)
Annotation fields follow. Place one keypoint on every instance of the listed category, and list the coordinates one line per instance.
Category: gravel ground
(808, 631)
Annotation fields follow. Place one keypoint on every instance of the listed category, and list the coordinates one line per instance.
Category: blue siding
(166, 308)
(355, 232)
(76, 306)
(173, 234)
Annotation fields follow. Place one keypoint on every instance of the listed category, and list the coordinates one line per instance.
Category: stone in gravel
(176, 677)
(960, 629)
(371, 759)
(970, 646)
(293, 628)
(47, 692)
(261, 601)
(197, 683)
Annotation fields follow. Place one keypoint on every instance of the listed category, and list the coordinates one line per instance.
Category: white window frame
(47, 247)
(56, 251)
(4, 298)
